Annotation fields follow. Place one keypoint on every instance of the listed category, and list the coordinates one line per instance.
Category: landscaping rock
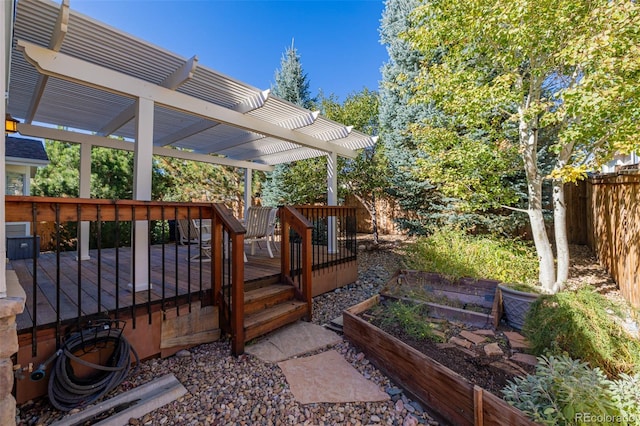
(525, 359)
(493, 349)
(472, 337)
(516, 340)
(460, 342)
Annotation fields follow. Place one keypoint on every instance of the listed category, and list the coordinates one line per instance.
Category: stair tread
(264, 292)
(257, 318)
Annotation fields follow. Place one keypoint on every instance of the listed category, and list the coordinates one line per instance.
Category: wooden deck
(97, 292)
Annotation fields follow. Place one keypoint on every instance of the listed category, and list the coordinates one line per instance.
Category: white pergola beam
(253, 102)
(295, 123)
(195, 128)
(247, 105)
(59, 31)
(93, 140)
(172, 82)
(181, 75)
(68, 68)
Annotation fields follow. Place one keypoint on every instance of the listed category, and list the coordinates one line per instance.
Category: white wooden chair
(260, 226)
(197, 232)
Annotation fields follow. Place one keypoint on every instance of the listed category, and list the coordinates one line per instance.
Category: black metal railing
(67, 289)
(333, 237)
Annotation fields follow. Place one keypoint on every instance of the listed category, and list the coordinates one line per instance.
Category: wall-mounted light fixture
(10, 124)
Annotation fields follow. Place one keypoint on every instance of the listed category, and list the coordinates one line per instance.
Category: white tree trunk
(529, 145)
(560, 230)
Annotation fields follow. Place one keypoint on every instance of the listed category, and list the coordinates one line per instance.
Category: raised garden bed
(455, 399)
(473, 302)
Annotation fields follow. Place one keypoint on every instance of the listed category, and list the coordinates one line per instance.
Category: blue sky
(338, 41)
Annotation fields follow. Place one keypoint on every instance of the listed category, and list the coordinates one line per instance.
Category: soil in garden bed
(489, 372)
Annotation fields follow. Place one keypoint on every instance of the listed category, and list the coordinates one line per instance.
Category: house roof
(25, 150)
(69, 70)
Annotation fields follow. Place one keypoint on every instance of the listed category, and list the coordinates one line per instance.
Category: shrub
(455, 254)
(577, 323)
(559, 391)
(564, 391)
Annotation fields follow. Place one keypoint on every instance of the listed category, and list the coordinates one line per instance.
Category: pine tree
(292, 83)
(416, 196)
(302, 182)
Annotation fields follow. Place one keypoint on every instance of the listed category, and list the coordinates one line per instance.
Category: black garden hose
(66, 390)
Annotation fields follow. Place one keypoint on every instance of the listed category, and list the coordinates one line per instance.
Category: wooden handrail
(290, 218)
(227, 232)
(22, 209)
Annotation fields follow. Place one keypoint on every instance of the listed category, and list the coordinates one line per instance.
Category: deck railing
(101, 284)
(333, 235)
(296, 259)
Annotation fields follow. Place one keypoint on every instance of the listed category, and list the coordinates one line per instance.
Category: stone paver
(472, 337)
(492, 349)
(460, 342)
(525, 359)
(516, 340)
(296, 339)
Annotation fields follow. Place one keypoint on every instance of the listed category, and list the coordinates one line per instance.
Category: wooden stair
(269, 307)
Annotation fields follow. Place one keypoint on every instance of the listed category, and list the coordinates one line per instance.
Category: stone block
(8, 411)
(525, 359)
(6, 377)
(460, 342)
(492, 349)
(472, 337)
(11, 306)
(8, 340)
(516, 340)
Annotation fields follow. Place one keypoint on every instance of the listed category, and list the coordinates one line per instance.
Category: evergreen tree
(292, 83)
(416, 196)
(302, 182)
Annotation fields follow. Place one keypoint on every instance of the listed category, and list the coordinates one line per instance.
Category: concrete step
(259, 323)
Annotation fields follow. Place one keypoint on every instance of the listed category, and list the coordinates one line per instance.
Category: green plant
(626, 396)
(562, 392)
(578, 324)
(411, 317)
(455, 254)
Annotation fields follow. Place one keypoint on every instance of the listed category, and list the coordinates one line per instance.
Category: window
(15, 184)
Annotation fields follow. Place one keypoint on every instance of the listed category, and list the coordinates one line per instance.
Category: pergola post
(248, 175)
(6, 19)
(85, 192)
(332, 200)
(142, 170)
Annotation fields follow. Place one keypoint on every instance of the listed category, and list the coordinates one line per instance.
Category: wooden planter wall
(457, 401)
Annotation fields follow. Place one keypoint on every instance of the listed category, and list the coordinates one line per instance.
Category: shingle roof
(30, 149)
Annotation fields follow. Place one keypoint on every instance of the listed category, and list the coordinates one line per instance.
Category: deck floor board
(178, 276)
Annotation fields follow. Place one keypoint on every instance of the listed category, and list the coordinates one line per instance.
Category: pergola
(65, 70)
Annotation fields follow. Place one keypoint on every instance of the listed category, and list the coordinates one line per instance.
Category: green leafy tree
(60, 178)
(570, 65)
(367, 175)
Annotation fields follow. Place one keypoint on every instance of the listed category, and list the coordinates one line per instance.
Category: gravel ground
(226, 390)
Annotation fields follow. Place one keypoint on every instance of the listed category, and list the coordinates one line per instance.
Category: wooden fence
(388, 211)
(602, 212)
(612, 216)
